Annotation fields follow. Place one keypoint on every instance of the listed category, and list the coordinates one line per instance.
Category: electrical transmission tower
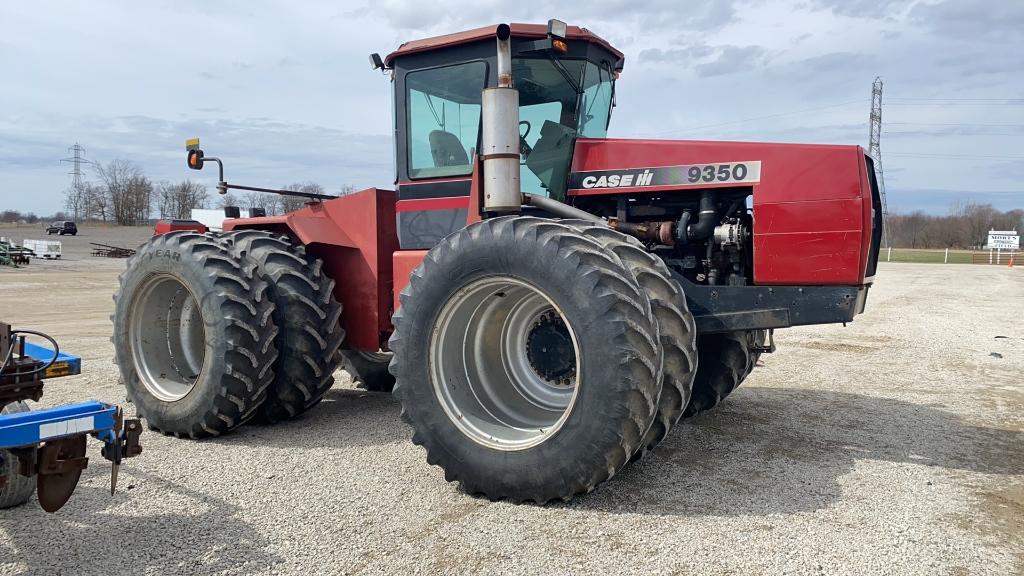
(876, 151)
(77, 159)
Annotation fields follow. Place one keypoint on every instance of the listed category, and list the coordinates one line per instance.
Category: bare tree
(97, 205)
(75, 202)
(293, 203)
(261, 200)
(228, 199)
(965, 226)
(177, 199)
(128, 190)
(908, 230)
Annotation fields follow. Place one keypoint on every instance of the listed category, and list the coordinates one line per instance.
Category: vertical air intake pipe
(706, 218)
(500, 146)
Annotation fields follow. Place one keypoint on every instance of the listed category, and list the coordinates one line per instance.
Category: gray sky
(283, 91)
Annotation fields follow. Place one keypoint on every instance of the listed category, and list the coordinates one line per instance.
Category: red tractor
(550, 301)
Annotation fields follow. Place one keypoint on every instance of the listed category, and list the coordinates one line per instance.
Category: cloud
(871, 9)
(643, 17)
(832, 63)
(733, 59)
(256, 151)
(677, 56)
(707, 61)
(975, 21)
(286, 95)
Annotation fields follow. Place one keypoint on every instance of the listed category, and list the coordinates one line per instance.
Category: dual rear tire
(213, 331)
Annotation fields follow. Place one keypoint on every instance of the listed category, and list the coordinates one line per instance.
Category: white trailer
(48, 249)
(214, 219)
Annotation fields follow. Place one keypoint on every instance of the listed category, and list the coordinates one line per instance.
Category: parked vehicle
(63, 227)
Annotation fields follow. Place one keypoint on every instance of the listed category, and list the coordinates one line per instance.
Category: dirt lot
(894, 445)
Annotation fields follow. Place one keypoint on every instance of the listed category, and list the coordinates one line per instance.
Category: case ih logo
(685, 175)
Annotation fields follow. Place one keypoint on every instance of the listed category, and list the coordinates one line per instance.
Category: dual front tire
(529, 358)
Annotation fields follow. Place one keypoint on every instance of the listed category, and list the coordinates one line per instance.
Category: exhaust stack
(500, 145)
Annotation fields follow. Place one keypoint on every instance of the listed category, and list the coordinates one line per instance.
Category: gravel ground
(893, 445)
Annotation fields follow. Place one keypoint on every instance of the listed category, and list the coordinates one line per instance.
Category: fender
(355, 236)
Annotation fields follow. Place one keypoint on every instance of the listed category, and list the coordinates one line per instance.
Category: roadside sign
(1003, 240)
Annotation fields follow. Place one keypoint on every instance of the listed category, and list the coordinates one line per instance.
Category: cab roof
(532, 31)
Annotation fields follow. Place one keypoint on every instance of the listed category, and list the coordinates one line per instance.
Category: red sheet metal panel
(403, 263)
(354, 235)
(812, 203)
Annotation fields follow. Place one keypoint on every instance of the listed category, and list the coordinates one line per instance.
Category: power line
(971, 125)
(744, 120)
(960, 99)
(957, 103)
(940, 156)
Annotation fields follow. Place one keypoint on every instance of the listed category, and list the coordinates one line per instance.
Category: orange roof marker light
(195, 154)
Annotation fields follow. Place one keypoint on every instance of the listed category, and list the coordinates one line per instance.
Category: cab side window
(444, 119)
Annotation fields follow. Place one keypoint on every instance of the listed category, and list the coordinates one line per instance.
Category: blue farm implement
(44, 450)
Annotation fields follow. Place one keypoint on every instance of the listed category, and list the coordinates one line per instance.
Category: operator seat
(446, 149)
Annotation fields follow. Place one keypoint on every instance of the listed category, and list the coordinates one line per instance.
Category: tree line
(124, 195)
(274, 204)
(965, 226)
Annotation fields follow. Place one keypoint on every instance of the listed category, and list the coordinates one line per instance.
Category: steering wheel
(524, 147)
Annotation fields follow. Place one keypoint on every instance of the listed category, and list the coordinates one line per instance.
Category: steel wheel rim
(480, 370)
(168, 337)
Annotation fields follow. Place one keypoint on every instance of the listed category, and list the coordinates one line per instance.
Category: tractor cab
(565, 79)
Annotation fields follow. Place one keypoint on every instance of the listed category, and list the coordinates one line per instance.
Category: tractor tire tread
(17, 489)
(629, 385)
(368, 373)
(675, 326)
(726, 359)
(306, 315)
(249, 335)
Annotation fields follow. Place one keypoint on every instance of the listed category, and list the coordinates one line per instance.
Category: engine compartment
(706, 236)
(775, 214)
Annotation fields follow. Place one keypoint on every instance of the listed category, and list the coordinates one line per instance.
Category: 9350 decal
(685, 175)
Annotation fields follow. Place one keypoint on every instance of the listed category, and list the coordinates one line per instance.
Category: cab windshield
(557, 103)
